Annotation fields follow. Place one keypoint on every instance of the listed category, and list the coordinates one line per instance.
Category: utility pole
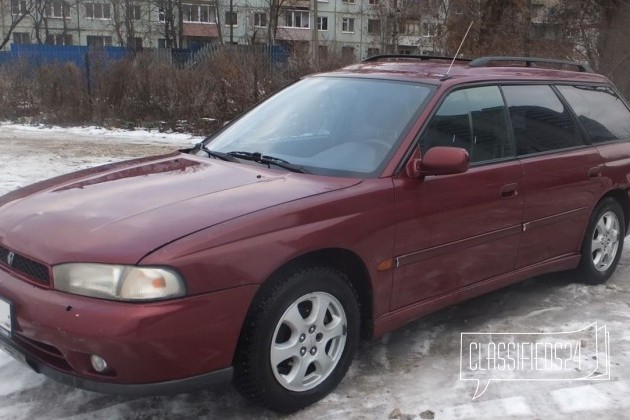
(231, 22)
(315, 43)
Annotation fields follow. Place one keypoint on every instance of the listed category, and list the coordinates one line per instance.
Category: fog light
(98, 363)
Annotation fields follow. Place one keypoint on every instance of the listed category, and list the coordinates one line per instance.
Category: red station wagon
(344, 206)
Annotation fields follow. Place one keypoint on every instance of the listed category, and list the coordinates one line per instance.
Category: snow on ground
(415, 369)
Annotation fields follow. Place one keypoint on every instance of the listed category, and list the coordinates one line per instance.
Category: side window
(539, 119)
(601, 112)
(474, 119)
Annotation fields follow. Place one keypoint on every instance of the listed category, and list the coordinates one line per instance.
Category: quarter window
(540, 122)
(600, 110)
(474, 119)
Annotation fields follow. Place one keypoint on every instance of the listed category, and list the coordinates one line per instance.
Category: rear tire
(298, 340)
(603, 242)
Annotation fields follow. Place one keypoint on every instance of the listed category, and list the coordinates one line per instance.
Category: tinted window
(601, 112)
(474, 119)
(540, 121)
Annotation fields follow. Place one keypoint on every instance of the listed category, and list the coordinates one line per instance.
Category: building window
(260, 20)
(347, 24)
(197, 13)
(59, 39)
(297, 19)
(347, 53)
(18, 7)
(429, 30)
(161, 15)
(348, 1)
(323, 52)
(97, 11)
(373, 2)
(231, 18)
(322, 23)
(57, 9)
(374, 26)
(412, 28)
(99, 41)
(21, 38)
(371, 52)
(137, 12)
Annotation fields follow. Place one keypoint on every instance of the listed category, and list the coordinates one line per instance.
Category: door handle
(595, 172)
(509, 190)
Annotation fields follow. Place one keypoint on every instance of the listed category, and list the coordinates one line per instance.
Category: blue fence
(48, 54)
(38, 55)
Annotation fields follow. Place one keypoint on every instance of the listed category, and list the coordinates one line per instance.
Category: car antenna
(447, 75)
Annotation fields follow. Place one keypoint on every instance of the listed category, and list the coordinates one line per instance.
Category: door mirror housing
(440, 160)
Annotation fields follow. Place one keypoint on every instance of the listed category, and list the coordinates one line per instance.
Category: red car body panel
(422, 242)
(144, 343)
(153, 193)
(466, 232)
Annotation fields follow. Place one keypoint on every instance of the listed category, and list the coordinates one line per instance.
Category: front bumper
(152, 348)
(177, 386)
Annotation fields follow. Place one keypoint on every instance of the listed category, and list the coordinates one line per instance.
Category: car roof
(489, 69)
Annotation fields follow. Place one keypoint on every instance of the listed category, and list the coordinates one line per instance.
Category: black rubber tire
(586, 271)
(253, 375)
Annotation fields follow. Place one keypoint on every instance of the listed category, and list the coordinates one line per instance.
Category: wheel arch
(343, 260)
(621, 196)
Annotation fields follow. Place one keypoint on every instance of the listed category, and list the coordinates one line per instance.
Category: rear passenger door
(561, 173)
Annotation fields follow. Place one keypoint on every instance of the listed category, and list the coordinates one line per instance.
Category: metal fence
(38, 55)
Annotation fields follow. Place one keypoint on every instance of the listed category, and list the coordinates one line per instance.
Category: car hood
(121, 212)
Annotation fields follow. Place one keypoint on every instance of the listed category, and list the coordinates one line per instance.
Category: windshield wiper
(214, 154)
(267, 160)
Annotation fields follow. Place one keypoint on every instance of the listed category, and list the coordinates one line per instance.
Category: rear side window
(601, 112)
(474, 119)
(540, 121)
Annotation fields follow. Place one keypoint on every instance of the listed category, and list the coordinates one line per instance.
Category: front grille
(25, 266)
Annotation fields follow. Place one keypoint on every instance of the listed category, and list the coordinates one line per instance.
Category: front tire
(603, 242)
(298, 340)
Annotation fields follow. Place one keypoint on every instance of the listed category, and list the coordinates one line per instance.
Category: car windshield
(338, 126)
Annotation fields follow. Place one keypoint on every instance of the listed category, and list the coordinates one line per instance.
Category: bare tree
(39, 15)
(404, 19)
(275, 9)
(171, 21)
(17, 10)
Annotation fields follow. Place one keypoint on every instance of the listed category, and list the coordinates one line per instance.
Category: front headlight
(118, 282)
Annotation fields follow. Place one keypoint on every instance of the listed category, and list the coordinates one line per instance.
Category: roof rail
(384, 57)
(485, 62)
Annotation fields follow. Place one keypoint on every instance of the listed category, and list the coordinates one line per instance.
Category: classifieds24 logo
(573, 355)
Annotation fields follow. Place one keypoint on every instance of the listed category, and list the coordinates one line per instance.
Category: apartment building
(354, 28)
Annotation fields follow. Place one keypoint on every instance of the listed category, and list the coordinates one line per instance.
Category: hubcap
(605, 241)
(308, 341)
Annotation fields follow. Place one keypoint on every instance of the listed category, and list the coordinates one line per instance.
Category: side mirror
(440, 160)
